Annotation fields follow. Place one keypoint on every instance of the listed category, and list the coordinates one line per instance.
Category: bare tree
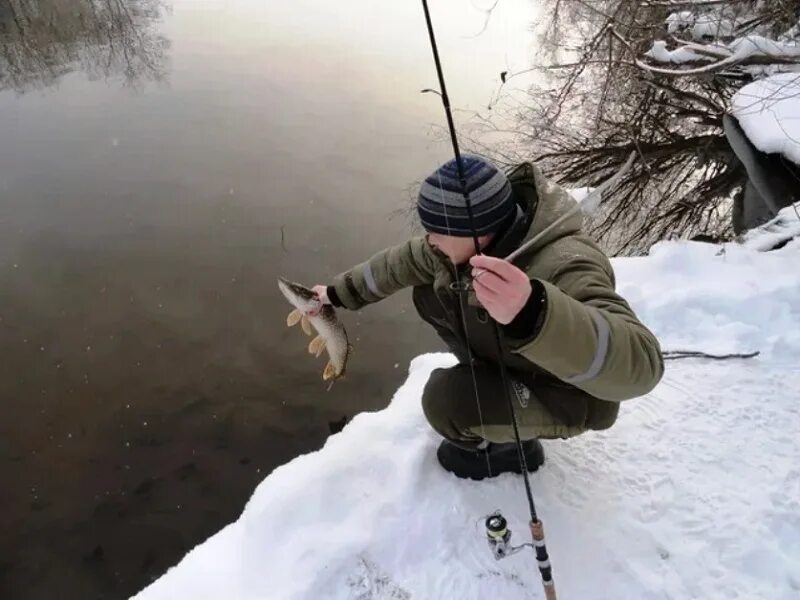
(656, 78)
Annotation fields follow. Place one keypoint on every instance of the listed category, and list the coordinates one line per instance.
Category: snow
(792, 33)
(785, 226)
(769, 112)
(694, 493)
(756, 45)
(660, 53)
(680, 20)
(739, 50)
(714, 25)
(707, 24)
(579, 194)
(583, 196)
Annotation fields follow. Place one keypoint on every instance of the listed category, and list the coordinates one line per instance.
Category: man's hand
(321, 292)
(502, 289)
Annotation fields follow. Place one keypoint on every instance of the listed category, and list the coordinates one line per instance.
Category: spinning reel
(499, 536)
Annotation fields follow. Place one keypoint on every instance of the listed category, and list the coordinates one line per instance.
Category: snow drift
(694, 493)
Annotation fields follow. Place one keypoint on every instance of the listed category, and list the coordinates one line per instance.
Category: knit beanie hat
(441, 204)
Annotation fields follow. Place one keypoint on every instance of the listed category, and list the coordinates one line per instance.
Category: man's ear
(485, 239)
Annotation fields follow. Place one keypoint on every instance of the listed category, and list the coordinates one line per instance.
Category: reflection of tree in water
(41, 40)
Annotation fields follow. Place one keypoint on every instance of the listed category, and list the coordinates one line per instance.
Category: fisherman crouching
(574, 349)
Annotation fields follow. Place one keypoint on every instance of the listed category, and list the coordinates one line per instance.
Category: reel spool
(498, 536)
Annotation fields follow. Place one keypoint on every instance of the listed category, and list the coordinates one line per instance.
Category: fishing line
(537, 532)
(466, 337)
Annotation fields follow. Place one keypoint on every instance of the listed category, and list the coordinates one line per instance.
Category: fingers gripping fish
(315, 316)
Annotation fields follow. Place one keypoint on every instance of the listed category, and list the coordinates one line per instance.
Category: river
(160, 165)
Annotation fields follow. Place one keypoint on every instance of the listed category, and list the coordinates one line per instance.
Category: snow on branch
(792, 34)
(661, 54)
(736, 34)
(680, 21)
(769, 112)
(685, 3)
(749, 50)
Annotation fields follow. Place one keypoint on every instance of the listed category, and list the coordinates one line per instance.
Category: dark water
(160, 166)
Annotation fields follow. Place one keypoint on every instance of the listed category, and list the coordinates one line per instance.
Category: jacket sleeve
(590, 337)
(409, 264)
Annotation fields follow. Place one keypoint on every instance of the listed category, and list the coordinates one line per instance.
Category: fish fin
(294, 318)
(317, 345)
(320, 350)
(329, 372)
(306, 325)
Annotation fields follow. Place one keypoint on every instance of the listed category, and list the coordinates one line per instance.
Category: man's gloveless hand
(501, 288)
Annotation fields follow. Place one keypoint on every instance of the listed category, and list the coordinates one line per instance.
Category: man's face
(458, 249)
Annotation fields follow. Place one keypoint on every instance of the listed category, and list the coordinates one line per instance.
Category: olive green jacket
(587, 336)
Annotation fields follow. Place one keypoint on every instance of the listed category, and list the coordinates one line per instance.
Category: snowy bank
(694, 493)
(784, 227)
(769, 112)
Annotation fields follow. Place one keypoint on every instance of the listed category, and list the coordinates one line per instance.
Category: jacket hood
(539, 204)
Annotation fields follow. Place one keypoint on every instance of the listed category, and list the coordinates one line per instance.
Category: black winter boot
(503, 458)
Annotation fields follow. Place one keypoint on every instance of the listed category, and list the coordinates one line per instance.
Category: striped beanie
(441, 204)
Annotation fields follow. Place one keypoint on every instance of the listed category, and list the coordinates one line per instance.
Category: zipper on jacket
(461, 300)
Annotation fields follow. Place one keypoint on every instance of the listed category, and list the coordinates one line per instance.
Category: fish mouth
(284, 283)
(292, 289)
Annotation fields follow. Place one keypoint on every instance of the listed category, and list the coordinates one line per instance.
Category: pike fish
(331, 333)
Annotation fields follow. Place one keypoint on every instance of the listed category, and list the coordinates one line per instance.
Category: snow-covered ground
(694, 493)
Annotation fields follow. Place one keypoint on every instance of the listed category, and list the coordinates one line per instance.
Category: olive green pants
(545, 406)
(460, 415)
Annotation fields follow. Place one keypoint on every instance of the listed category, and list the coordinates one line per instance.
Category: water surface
(160, 166)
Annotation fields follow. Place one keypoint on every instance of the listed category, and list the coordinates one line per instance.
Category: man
(573, 347)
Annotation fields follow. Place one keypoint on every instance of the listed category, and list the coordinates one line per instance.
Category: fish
(315, 316)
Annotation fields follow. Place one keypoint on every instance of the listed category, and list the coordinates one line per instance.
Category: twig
(488, 12)
(283, 241)
(678, 354)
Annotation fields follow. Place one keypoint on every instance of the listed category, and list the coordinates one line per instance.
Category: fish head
(298, 295)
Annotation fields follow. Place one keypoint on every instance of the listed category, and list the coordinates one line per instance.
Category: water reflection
(43, 40)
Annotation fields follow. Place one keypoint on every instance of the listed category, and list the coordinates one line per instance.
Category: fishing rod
(497, 531)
